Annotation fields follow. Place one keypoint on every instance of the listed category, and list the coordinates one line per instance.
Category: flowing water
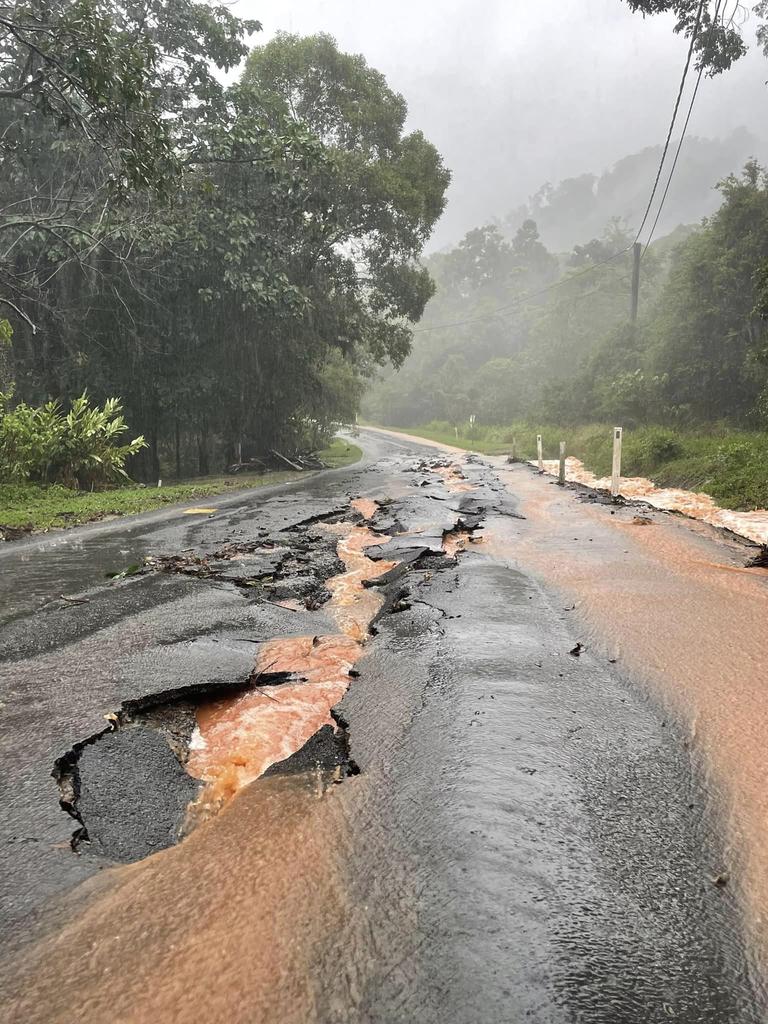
(656, 598)
(447, 848)
(238, 738)
(753, 525)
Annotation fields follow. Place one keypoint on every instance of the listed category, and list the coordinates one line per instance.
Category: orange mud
(353, 605)
(752, 525)
(233, 926)
(456, 541)
(455, 480)
(672, 604)
(238, 924)
(238, 738)
(367, 507)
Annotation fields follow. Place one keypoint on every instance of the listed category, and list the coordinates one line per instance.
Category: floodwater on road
(752, 525)
(194, 933)
(527, 838)
(676, 609)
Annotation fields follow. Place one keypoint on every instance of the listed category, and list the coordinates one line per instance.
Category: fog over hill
(579, 208)
(518, 94)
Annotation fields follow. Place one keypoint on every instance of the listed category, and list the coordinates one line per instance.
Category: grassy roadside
(731, 465)
(25, 507)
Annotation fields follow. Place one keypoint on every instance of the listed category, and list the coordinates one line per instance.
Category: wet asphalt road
(528, 838)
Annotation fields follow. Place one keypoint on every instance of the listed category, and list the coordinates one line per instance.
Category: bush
(650, 448)
(78, 449)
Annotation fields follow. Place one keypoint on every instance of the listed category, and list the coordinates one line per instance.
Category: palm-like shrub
(79, 449)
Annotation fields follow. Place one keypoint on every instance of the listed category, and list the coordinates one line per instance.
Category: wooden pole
(540, 452)
(637, 251)
(561, 473)
(616, 472)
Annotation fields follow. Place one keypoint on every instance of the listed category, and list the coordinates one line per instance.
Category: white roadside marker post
(514, 449)
(616, 472)
(540, 451)
(561, 473)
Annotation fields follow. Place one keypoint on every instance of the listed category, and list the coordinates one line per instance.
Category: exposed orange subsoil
(456, 541)
(238, 738)
(367, 507)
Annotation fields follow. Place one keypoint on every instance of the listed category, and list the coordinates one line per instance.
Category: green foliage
(28, 506)
(382, 190)
(239, 306)
(718, 45)
(99, 98)
(78, 449)
(699, 354)
(727, 464)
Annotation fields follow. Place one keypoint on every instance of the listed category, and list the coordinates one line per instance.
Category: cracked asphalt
(529, 837)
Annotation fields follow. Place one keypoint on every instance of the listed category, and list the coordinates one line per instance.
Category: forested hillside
(580, 207)
(229, 261)
(516, 332)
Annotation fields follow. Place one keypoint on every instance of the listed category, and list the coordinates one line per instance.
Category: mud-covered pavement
(484, 822)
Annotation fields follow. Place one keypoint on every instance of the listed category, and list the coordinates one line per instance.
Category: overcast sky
(518, 92)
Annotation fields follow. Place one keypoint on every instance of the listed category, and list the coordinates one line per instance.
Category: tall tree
(234, 303)
(95, 96)
(383, 190)
(718, 43)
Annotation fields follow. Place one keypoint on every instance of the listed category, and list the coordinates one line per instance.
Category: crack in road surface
(285, 709)
(531, 835)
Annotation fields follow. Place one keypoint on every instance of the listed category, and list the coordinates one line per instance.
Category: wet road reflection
(529, 837)
(665, 602)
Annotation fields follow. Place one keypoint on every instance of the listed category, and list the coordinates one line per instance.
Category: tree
(236, 306)
(383, 190)
(709, 339)
(718, 45)
(95, 102)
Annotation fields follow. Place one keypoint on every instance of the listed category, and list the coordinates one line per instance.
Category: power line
(685, 129)
(680, 91)
(588, 270)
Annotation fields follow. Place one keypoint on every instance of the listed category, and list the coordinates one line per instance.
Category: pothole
(164, 764)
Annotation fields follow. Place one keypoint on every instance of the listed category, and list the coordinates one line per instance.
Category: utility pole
(637, 251)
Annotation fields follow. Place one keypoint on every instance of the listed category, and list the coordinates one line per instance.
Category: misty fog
(518, 94)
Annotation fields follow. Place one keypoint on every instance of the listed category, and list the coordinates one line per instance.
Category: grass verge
(25, 507)
(730, 465)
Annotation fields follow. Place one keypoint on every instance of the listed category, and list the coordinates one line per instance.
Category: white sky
(520, 92)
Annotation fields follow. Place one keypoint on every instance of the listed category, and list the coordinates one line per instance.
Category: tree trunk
(177, 442)
(203, 467)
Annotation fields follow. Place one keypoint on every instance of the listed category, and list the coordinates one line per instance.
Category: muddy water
(367, 507)
(237, 739)
(665, 601)
(753, 525)
(143, 951)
